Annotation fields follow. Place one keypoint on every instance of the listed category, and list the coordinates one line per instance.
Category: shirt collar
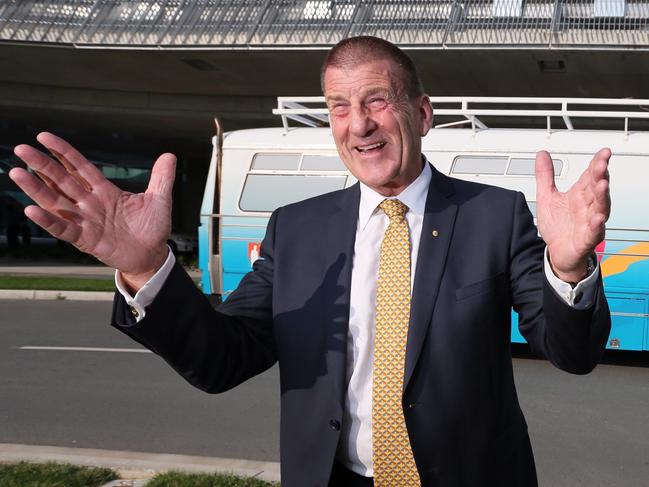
(414, 197)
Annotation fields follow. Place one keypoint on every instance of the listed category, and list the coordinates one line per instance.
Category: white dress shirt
(355, 447)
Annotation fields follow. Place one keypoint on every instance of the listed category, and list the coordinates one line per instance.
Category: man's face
(376, 126)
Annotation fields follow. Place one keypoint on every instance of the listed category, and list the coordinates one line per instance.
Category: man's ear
(426, 115)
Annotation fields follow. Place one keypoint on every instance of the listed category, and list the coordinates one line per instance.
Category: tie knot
(395, 209)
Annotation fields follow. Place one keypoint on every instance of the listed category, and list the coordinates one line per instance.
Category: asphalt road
(586, 431)
(118, 400)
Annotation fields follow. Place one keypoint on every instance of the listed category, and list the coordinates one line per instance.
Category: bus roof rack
(295, 108)
(474, 109)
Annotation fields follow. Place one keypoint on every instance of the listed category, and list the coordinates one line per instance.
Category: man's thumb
(163, 175)
(544, 173)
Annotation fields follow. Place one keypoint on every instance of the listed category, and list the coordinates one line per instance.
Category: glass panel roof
(313, 23)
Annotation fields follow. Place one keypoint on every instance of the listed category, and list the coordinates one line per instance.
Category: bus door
(241, 237)
(628, 322)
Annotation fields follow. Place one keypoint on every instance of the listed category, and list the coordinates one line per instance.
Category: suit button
(334, 425)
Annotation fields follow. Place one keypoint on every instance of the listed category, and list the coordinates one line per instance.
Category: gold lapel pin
(435, 233)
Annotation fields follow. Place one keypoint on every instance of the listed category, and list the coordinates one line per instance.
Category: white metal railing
(294, 108)
(470, 109)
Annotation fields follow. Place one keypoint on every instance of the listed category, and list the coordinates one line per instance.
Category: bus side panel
(516, 335)
(627, 291)
(204, 254)
(625, 270)
(240, 244)
(628, 322)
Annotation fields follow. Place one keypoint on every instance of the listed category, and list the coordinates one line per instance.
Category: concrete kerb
(54, 295)
(136, 465)
(127, 483)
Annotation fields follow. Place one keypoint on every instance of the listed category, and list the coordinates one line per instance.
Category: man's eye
(377, 103)
(339, 110)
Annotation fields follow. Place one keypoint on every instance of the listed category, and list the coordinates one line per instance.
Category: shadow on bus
(622, 358)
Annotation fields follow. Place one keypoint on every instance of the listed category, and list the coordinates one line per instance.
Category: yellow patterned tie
(394, 464)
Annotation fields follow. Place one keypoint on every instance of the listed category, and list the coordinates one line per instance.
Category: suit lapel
(340, 237)
(436, 232)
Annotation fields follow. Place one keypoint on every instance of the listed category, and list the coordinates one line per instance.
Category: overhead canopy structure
(260, 24)
(124, 80)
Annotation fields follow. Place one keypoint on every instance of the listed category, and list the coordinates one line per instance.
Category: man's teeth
(370, 147)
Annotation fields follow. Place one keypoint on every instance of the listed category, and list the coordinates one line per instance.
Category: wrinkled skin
(376, 126)
(76, 203)
(572, 223)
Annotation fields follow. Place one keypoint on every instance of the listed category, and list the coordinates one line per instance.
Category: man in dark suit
(316, 301)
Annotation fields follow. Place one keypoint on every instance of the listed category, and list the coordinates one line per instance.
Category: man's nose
(361, 124)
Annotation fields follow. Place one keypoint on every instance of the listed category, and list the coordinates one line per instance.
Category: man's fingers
(602, 198)
(598, 182)
(44, 195)
(54, 174)
(544, 174)
(162, 176)
(596, 171)
(61, 228)
(599, 165)
(86, 173)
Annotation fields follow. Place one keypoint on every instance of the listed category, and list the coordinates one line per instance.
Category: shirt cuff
(148, 292)
(582, 296)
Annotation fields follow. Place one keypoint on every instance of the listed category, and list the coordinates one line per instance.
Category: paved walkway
(53, 269)
(64, 270)
(136, 466)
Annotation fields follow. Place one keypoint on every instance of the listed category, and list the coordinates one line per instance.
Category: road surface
(591, 430)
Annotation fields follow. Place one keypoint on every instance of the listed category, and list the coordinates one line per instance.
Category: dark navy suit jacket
(460, 404)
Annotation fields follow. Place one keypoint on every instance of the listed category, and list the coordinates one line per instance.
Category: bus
(489, 140)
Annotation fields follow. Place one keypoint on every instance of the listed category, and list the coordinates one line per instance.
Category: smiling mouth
(367, 149)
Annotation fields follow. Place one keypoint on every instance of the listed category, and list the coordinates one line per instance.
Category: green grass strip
(178, 479)
(56, 283)
(53, 475)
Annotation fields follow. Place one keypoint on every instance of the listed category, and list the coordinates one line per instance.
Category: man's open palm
(76, 203)
(572, 223)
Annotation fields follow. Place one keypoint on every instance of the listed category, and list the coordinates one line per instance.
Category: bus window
(312, 162)
(525, 167)
(479, 165)
(266, 192)
(274, 161)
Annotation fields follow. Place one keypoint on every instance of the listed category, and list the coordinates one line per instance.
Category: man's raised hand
(76, 203)
(572, 223)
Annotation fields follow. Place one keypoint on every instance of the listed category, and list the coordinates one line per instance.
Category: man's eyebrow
(333, 98)
(365, 94)
(376, 91)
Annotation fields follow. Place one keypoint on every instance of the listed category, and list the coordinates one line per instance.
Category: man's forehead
(365, 78)
(360, 92)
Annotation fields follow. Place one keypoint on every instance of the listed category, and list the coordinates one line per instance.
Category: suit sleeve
(573, 340)
(213, 349)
